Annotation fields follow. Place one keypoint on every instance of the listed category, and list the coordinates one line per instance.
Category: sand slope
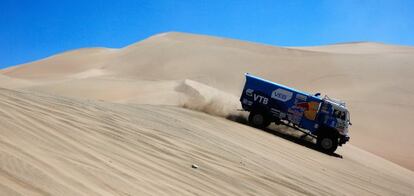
(359, 48)
(86, 61)
(61, 146)
(376, 80)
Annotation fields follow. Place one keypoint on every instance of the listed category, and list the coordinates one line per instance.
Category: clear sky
(34, 29)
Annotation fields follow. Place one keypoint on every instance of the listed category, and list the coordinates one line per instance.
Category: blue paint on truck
(272, 102)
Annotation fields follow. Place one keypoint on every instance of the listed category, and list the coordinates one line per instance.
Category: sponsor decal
(256, 98)
(309, 109)
(282, 95)
(260, 99)
(301, 97)
(249, 92)
(247, 102)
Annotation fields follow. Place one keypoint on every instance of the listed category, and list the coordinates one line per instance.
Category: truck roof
(283, 86)
(337, 102)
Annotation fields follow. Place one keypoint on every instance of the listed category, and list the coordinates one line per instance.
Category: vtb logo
(257, 98)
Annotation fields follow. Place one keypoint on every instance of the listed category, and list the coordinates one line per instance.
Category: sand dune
(8, 82)
(63, 64)
(61, 146)
(117, 121)
(360, 48)
(376, 80)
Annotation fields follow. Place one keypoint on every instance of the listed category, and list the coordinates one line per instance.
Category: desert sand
(133, 120)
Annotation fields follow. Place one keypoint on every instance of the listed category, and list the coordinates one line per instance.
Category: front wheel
(258, 120)
(327, 142)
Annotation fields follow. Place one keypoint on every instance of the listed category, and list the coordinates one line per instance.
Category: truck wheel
(258, 120)
(327, 142)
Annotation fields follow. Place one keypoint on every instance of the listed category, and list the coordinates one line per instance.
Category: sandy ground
(376, 80)
(116, 97)
(60, 146)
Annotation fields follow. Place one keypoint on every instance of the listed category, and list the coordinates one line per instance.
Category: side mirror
(317, 94)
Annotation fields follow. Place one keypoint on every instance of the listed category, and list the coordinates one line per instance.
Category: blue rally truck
(325, 119)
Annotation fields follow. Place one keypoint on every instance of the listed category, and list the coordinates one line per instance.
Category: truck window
(339, 114)
(336, 113)
(342, 115)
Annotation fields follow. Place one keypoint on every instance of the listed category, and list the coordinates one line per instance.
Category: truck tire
(327, 142)
(258, 120)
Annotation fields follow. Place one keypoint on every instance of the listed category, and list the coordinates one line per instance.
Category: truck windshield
(340, 114)
(343, 115)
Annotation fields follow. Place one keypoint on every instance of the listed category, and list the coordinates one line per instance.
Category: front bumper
(343, 139)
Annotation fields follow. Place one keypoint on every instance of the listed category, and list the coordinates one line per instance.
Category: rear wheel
(258, 120)
(327, 142)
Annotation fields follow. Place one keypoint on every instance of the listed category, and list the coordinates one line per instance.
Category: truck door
(326, 115)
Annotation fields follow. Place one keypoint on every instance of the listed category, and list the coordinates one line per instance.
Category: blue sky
(34, 29)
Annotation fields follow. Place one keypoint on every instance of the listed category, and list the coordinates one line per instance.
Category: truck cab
(334, 115)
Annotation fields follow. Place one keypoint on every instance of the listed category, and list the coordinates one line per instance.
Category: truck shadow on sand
(301, 140)
(286, 133)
